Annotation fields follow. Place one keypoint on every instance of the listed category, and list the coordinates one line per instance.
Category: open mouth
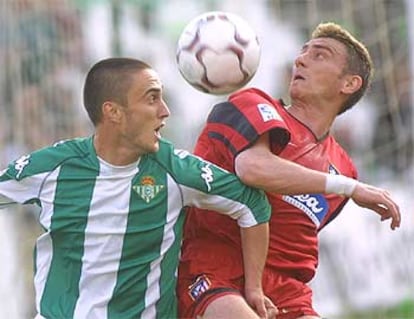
(158, 130)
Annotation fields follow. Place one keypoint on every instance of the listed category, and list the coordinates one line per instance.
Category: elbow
(247, 178)
(249, 172)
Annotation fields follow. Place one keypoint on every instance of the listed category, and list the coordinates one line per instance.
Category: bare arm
(255, 241)
(286, 177)
(379, 201)
(280, 175)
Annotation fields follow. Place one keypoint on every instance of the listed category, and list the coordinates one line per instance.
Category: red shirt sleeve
(239, 122)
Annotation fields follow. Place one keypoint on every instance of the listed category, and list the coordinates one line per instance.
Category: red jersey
(233, 126)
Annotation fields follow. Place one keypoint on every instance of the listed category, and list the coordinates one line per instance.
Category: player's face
(145, 113)
(318, 72)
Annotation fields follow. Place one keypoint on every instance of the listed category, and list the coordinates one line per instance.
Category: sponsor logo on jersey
(268, 112)
(199, 286)
(147, 189)
(20, 164)
(315, 206)
(207, 176)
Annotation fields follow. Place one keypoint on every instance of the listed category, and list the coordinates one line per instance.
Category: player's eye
(151, 98)
(319, 55)
(154, 97)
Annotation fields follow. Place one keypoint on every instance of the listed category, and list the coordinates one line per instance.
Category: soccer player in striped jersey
(308, 178)
(112, 205)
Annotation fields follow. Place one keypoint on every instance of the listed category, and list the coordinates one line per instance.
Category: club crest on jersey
(268, 112)
(315, 206)
(199, 286)
(147, 189)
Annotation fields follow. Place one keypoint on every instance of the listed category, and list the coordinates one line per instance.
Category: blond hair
(359, 60)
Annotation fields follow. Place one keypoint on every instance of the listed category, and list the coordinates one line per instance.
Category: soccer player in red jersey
(307, 175)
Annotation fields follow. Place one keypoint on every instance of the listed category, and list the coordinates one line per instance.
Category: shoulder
(167, 154)
(341, 157)
(65, 149)
(166, 148)
(247, 102)
(337, 148)
(251, 95)
(49, 158)
(175, 160)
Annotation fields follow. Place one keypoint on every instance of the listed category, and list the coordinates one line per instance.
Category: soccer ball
(218, 52)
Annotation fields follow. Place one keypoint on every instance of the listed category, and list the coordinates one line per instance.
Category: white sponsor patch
(268, 112)
(315, 206)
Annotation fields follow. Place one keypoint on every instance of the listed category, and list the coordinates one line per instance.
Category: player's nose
(300, 60)
(164, 110)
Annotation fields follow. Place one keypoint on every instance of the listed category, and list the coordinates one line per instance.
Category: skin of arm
(254, 242)
(280, 176)
(286, 177)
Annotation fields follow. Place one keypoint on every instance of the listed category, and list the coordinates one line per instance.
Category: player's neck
(318, 120)
(112, 151)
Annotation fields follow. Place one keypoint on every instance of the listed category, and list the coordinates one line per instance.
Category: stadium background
(46, 46)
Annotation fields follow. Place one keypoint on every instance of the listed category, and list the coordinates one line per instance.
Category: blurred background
(46, 47)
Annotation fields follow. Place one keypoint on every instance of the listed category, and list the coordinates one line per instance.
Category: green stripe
(141, 246)
(76, 181)
(4, 178)
(167, 306)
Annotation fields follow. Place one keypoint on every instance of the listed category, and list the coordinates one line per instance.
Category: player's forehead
(329, 44)
(146, 80)
(151, 77)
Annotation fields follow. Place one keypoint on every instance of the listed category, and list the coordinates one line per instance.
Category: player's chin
(154, 147)
(294, 91)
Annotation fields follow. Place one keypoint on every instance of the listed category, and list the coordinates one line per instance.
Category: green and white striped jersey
(112, 234)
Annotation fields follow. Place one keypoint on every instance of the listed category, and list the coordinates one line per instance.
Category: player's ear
(111, 111)
(352, 83)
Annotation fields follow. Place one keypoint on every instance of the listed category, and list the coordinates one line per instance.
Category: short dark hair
(109, 80)
(359, 60)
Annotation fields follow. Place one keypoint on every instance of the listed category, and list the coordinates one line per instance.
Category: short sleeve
(240, 121)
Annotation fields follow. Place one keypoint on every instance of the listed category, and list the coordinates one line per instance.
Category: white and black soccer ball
(218, 52)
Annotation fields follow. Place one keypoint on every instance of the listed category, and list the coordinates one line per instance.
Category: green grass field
(405, 310)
